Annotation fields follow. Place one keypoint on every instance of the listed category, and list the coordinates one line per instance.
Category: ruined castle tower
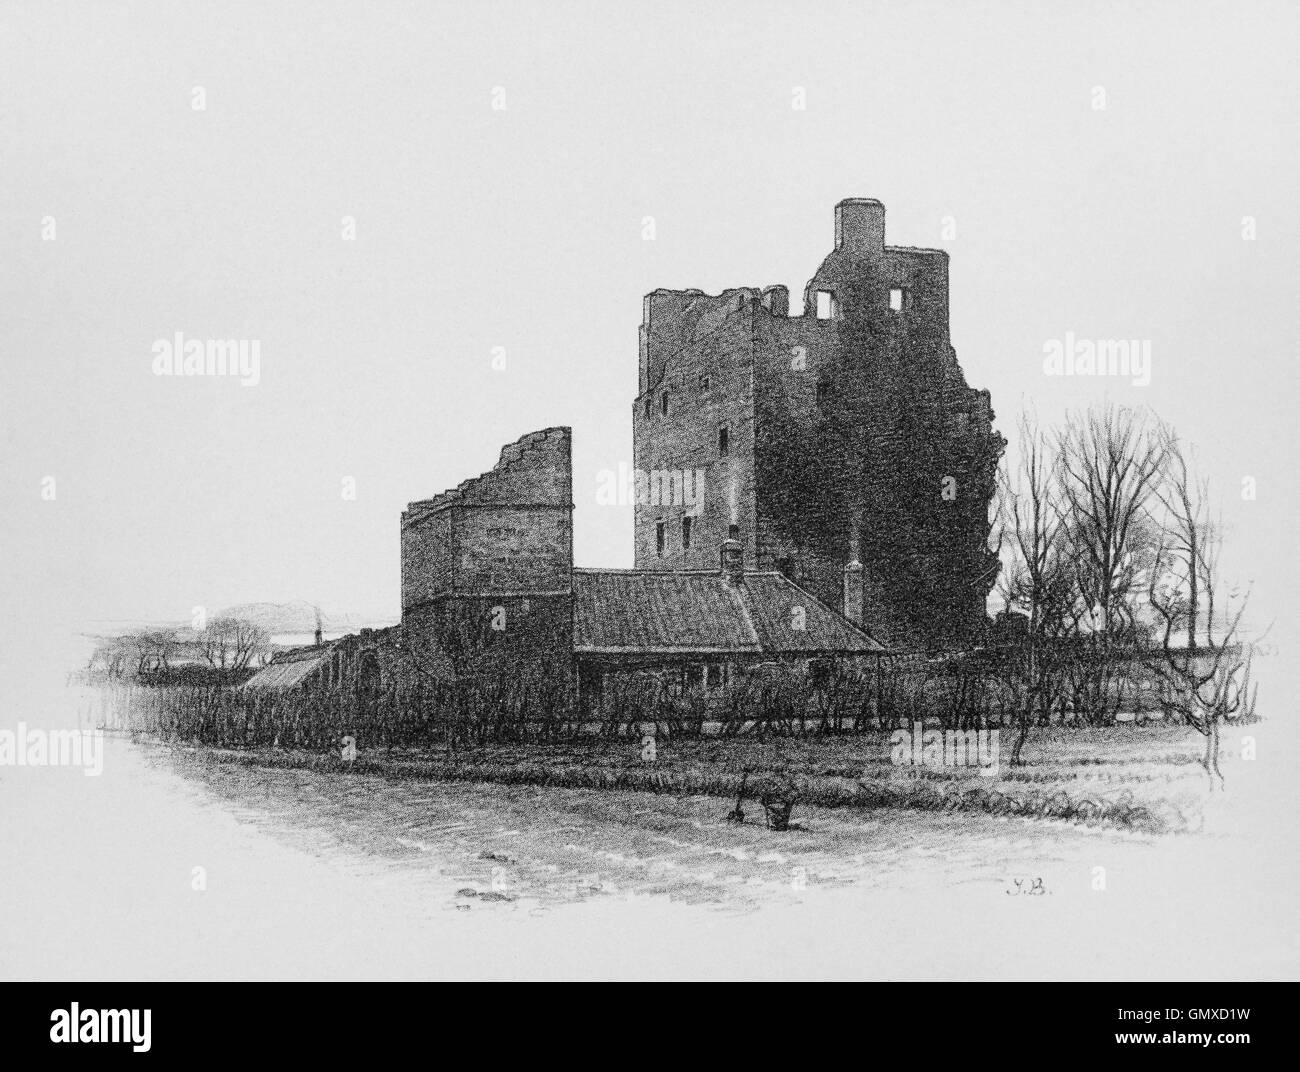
(487, 567)
(841, 447)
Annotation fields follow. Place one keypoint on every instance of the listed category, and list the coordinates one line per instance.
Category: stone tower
(841, 447)
(487, 567)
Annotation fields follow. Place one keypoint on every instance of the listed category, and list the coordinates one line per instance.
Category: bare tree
(1038, 580)
(110, 656)
(1206, 678)
(232, 643)
(156, 649)
(1112, 460)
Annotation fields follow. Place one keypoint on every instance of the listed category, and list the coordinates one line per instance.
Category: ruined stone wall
(794, 467)
(487, 568)
(697, 352)
(856, 414)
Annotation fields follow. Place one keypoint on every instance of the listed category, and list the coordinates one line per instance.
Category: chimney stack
(733, 561)
(853, 595)
(860, 226)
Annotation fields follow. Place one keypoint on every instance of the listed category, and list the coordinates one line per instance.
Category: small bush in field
(778, 793)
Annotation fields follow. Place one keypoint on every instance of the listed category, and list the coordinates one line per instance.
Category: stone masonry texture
(845, 434)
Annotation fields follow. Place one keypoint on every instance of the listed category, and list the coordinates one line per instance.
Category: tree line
(1111, 549)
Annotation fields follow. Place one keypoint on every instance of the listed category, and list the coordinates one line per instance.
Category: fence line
(839, 699)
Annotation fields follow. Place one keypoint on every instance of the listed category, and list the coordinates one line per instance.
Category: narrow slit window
(733, 532)
(659, 538)
(825, 305)
(663, 403)
(686, 533)
(724, 441)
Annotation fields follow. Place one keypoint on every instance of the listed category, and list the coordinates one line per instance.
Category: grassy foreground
(1140, 778)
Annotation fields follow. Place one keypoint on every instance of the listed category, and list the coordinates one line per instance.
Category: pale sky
(521, 228)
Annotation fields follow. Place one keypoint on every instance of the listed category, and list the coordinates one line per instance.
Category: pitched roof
(771, 599)
(702, 612)
(289, 672)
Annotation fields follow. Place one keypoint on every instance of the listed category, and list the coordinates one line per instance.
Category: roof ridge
(643, 571)
(747, 612)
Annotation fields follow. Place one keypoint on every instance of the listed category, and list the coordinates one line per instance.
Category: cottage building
(701, 629)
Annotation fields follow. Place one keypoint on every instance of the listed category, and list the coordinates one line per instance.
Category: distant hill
(297, 616)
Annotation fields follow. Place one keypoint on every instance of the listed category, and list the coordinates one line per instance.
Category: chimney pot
(853, 595)
(733, 560)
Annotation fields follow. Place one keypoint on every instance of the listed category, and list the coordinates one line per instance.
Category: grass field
(1145, 778)
(419, 866)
